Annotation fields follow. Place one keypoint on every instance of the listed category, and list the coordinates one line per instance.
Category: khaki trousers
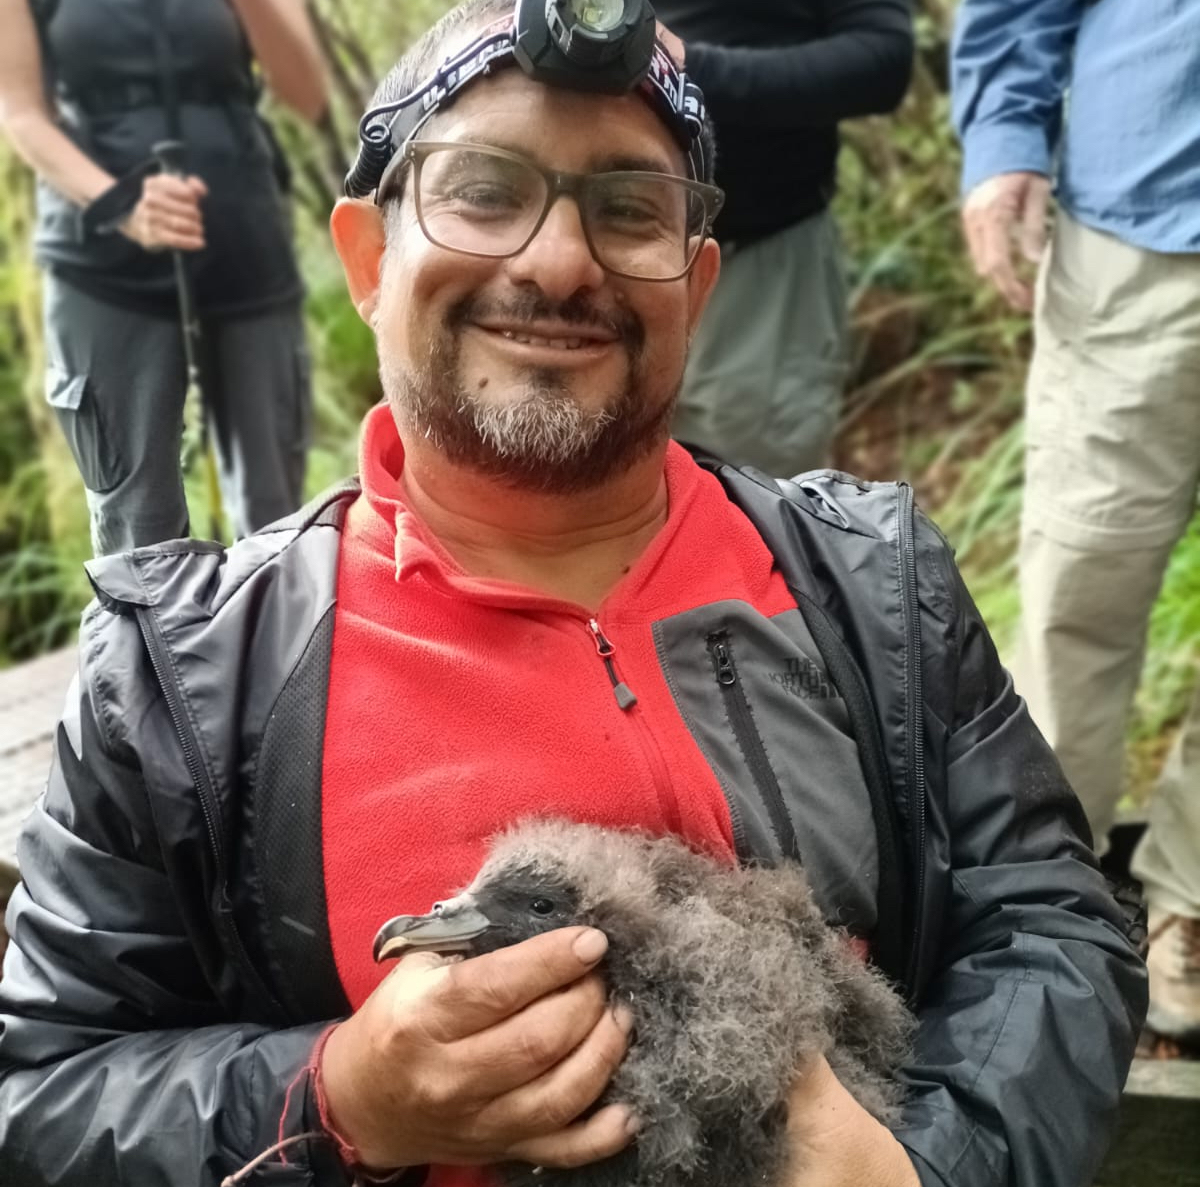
(1112, 465)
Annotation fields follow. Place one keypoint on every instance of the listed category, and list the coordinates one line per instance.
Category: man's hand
(672, 45)
(483, 1060)
(997, 211)
(836, 1142)
(168, 214)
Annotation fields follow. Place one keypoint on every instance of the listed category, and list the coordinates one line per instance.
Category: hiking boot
(1174, 964)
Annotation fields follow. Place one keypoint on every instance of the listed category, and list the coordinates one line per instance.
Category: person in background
(1112, 431)
(83, 99)
(769, 361)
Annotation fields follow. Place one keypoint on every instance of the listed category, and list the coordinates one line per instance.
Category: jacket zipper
(914, 692)
(606, 651)
(741, 717)
(156, 648)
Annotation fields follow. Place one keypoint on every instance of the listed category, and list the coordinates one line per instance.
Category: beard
(542, 440)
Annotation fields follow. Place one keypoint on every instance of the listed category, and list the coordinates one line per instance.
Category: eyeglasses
(485, 201)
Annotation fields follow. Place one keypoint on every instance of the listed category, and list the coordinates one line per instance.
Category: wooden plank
(8, 881)
(1173, 1078)
(31, 699)
(1157, 1143)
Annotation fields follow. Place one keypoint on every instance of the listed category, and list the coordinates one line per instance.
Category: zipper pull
(605, 650)
(725, 670)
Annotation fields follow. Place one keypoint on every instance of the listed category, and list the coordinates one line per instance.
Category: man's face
(541, 369)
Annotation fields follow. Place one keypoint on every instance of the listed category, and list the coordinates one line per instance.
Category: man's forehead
(573, 129)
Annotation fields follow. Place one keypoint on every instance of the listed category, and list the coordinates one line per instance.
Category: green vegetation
(935, 399)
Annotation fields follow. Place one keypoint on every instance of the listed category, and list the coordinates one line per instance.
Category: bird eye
(542, 906)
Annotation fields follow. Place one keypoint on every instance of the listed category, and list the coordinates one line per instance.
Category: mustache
(531, 307)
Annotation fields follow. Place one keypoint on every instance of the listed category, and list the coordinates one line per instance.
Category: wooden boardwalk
(31, 698)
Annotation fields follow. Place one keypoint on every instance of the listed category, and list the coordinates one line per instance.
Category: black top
(100, 61)
(777, 76)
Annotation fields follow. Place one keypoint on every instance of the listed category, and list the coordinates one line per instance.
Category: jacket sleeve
(861, 66)
(1028, 1024)
(1010, 63)
(118, 1061)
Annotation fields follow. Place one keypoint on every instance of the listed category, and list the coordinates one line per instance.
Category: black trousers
(116, 379)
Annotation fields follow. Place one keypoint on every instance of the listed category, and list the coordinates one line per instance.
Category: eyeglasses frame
(558, 183)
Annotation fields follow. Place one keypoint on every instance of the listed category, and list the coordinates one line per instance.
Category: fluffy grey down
(735, 982)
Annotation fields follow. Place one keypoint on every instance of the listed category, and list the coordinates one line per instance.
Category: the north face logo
(803, 678)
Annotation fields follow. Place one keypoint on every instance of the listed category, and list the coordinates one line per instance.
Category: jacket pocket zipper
(741, 718)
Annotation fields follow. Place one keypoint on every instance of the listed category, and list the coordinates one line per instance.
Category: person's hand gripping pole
(170, 157)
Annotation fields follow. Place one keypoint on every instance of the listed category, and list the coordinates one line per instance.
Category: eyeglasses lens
(490, 203)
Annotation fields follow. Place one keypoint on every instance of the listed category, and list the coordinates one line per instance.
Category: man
(536, 605)
(1113, 403)
(768, 365)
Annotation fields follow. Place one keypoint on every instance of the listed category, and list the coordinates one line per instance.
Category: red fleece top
(458, 705)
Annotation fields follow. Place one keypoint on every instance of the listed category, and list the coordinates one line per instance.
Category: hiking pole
(195, 441)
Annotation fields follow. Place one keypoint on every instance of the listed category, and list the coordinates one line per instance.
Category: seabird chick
(735, 982)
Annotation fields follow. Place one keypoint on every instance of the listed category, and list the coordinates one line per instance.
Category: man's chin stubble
(544, 441)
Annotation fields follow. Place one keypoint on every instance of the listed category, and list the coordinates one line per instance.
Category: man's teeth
(554, 343)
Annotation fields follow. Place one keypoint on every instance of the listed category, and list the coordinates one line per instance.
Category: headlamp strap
(676, 99)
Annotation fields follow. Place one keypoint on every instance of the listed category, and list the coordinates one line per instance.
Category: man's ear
(701, 280)
(358, 234)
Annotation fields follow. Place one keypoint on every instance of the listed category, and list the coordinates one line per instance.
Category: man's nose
(558, 259)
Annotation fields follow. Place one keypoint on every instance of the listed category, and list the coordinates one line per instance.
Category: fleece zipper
(606, 651)
(651, 751)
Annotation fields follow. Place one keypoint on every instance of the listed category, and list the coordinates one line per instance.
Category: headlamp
(588, 45)
(604, 46)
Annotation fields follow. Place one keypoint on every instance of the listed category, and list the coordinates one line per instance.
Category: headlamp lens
(598, 16)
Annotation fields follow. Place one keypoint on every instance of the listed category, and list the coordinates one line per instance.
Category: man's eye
(620, 210)
(486, 196)
(542, 906)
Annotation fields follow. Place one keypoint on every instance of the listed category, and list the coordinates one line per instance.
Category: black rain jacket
(170, 966)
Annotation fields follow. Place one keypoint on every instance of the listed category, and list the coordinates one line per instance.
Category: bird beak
(449, 927)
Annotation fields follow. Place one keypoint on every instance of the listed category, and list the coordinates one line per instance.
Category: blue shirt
(1126, 146)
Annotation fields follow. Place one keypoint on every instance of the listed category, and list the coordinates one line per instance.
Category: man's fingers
(181, 243)
(973, 233)
(992, 251)
(174, 231)
(168, 185)
(605, 1133)
(482, 991)
(558, 1097)
(530, 1042)
(173, 205)
(1033, 220)
(996, 209)
(168, 215)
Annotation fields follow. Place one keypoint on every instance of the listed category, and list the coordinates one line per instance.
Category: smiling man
(532, 603)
